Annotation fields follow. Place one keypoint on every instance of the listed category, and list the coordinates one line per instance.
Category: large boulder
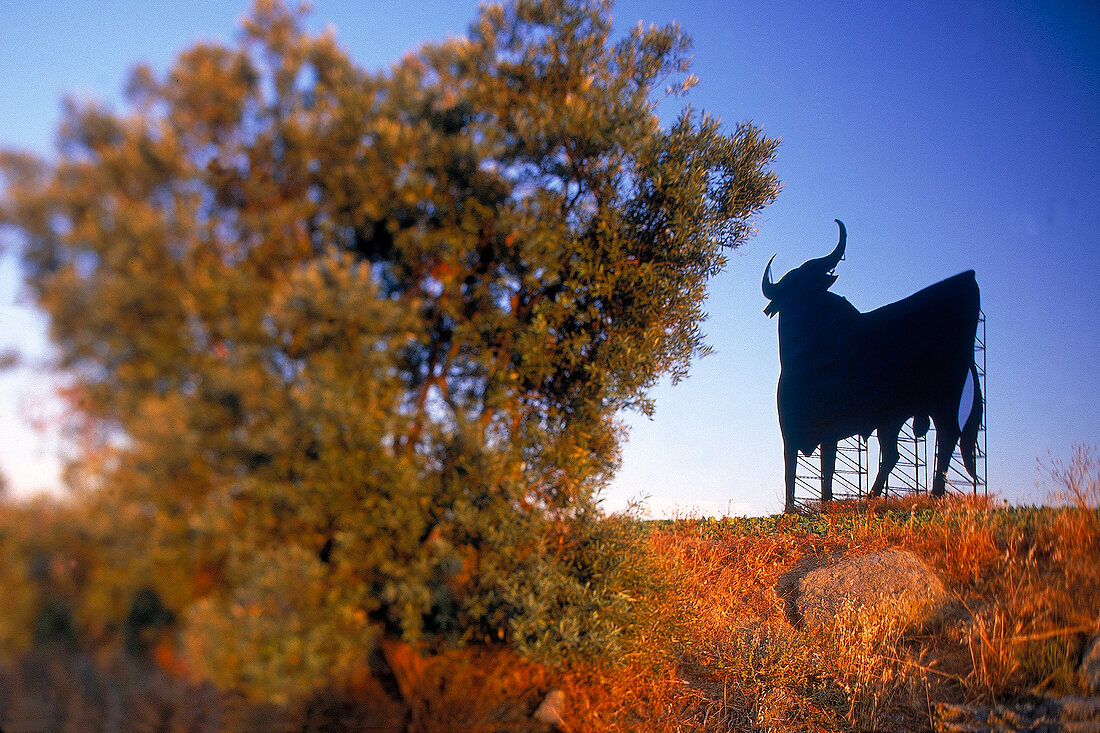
(890, 587)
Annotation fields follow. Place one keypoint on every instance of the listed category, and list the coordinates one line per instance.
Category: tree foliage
(350, 347)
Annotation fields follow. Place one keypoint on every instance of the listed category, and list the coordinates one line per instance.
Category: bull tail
(968, 441)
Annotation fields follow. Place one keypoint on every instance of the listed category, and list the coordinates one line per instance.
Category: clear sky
(947, 135)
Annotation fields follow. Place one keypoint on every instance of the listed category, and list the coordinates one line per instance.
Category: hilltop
(1021, 592)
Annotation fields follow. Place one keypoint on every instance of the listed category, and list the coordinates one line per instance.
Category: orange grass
(1025, 589)
(1024, 595)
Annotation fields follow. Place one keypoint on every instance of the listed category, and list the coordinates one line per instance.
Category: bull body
(846, 373)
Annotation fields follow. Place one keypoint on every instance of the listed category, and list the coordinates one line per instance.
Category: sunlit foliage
(349, 348)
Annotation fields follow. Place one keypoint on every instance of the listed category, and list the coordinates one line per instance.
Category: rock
(1089, 671)
(891, 586)
(551, 709)
(1050, 715)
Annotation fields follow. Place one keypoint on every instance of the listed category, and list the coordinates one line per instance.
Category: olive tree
(350, 348)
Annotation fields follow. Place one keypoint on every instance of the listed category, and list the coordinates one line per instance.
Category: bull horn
(766, 284)
(829, 261)
(838, 253)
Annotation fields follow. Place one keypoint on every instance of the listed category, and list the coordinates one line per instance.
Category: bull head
(813, 276)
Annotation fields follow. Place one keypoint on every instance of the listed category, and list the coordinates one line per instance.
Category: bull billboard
(846, 373)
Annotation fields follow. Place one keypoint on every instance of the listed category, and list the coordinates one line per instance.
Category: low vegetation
(715, 648)
(1024, 590)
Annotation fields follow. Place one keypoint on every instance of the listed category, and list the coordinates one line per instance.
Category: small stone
(1089, 671)
(551, 709)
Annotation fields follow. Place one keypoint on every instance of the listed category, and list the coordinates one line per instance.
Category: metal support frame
(912, 474)
(849, 476)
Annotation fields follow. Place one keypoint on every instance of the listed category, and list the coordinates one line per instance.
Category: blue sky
(947, 135)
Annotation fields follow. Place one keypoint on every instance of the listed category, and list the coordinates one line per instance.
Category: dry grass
(1024, 591)
(1024, 586)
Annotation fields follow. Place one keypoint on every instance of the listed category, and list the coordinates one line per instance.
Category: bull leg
(828, 465)
(887, 456)
(945, 446)
(790, 465)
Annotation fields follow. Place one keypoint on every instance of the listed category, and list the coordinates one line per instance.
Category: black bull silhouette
(845, 373)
